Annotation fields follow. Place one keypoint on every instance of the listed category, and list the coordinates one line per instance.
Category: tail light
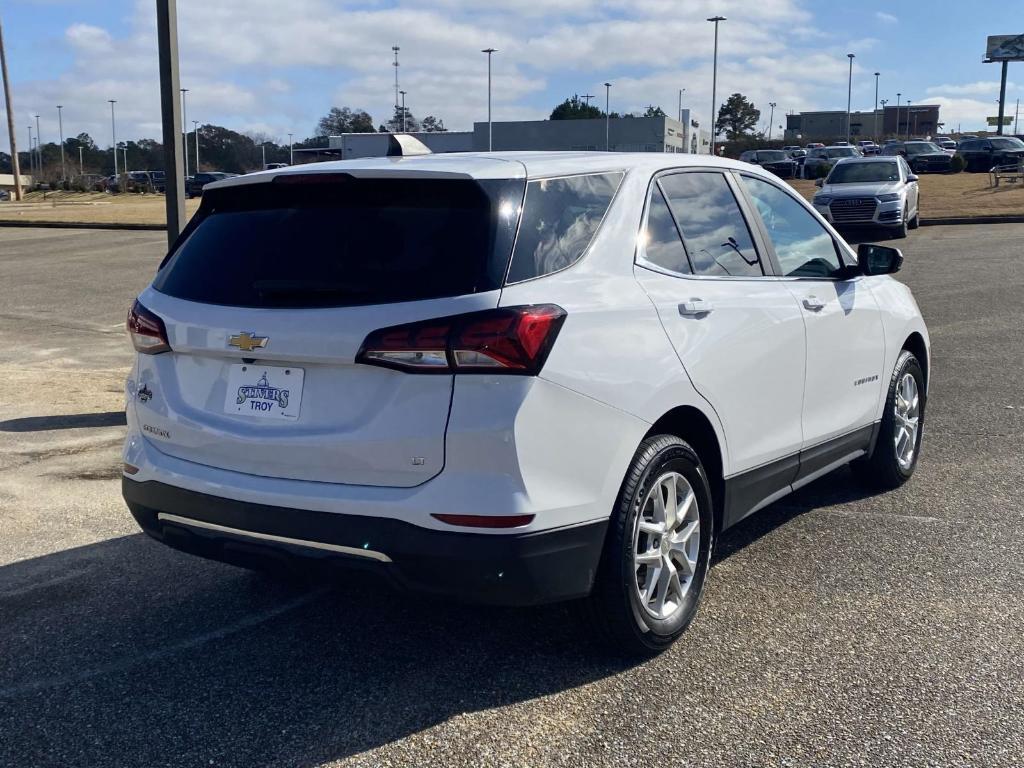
(511, 340)
(149, 336)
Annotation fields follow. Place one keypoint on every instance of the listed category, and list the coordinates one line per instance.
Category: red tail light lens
(149, 336)
(513, 340)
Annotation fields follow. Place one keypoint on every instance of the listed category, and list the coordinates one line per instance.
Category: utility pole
(403, 110)
(39, 147)
(1002, 99)
(607, 116)
(184, 125)
(771, 117)
(680, 115)
(60, 128)
(171, 99)
(849, 97)
(883, 102)
(898, 114)
(113, 132)
(714, 81)
(875, 115)
(908, 118)
(31, 155)
(1016, 114)
(195, 126)
(490, 128)
(10, 118)
(263, 150)
(291, 151)
(81, 162)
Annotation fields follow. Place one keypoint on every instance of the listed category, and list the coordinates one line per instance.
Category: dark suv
(194, 184)
(774, 160)
(922, 156)
(983, 154)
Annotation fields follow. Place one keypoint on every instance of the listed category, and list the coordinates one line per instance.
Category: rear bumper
(500, 569)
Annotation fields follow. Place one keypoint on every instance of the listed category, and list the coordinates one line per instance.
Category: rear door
(738, 333)
(269, 298)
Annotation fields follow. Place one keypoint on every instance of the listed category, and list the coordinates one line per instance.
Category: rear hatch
(272, 291)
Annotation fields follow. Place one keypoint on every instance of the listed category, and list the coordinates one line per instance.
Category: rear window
(560, 218)
(339, 241)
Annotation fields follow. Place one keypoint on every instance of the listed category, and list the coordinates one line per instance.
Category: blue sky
(273, 67)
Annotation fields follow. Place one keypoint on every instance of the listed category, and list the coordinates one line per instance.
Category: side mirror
(878, 259)
(819, 182)
(911, 177)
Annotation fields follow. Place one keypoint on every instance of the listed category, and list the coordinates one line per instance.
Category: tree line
(220, 148)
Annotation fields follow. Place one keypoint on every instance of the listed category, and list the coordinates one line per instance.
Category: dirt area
(90, 207)
(942, 196)
(959, 194)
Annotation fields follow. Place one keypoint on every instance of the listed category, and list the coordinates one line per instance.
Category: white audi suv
(512, 378)
(872, 191)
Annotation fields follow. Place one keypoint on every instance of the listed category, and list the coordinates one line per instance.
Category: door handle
(695, 308)
(813, 303)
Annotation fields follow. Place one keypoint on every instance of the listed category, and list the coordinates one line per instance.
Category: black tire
(900, 231)
(881, 470)
(615, 606)
(916, 221)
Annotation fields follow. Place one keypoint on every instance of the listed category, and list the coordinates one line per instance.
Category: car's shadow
(127, 653)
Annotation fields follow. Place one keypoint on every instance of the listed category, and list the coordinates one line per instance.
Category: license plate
(264, 392)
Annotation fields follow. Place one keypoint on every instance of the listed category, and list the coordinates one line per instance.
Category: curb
(81, 225)
(973, 220)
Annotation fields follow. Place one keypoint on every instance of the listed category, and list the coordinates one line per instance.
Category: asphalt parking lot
(838, 628)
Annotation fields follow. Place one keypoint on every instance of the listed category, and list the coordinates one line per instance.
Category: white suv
(512, 377)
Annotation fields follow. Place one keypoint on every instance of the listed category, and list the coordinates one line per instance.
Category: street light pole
(607, 116)
(680, 116)
(875, 115)
(490, 133)
(81, 162)
(908, 118)
(396, 49)
(714, 81)
(898, 114)
(184, 125)
(771, 117)
(1016, 114)
(195, 131)
(403, 110)
(113, 131)
(849, 97)
(31, 157)
(60, 128)
(291, 151)
(39, 147)
(9, 108)
(883, 102)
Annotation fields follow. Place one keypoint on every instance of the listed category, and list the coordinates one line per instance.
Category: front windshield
(842, 152)
(771, 155)
(920, 147)
(1007, 143)
(863, 173)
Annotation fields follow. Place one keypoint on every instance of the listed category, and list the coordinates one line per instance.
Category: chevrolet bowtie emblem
(246, 342)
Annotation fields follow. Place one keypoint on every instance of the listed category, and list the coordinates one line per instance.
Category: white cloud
(979, 88)
(886, 18)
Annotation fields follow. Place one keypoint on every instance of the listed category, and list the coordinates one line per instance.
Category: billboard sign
(1005, 48)
(995, 120)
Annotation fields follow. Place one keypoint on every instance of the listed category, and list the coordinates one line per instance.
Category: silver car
(870, 191)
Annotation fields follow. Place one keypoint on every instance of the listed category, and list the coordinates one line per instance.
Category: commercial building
(890, 121)
(628, 134)
(7, 182)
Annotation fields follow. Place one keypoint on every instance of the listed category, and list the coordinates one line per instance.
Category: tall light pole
(291, 151)
(396, 49)
(849, 97)
(607, 116)
(680, 115)
(875, 115)
(771, 117)
(883, 102)
(184, 123)
(81, 162)
(1016, 115)
(9, 108)
(403, 110)
(39, 147)
(898, 114)
(263, 150)
(60, 128)
(113, 131)
(195, 137)
(908, 118)
(31, 156)
(490, 133)
(714, 81)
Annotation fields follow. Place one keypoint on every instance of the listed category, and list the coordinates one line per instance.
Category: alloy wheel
(907, 410)
(666, 545)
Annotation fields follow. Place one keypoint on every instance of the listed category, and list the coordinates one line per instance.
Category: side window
(661, 244)
(560, 218)
(803, 246)
(712, 225)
